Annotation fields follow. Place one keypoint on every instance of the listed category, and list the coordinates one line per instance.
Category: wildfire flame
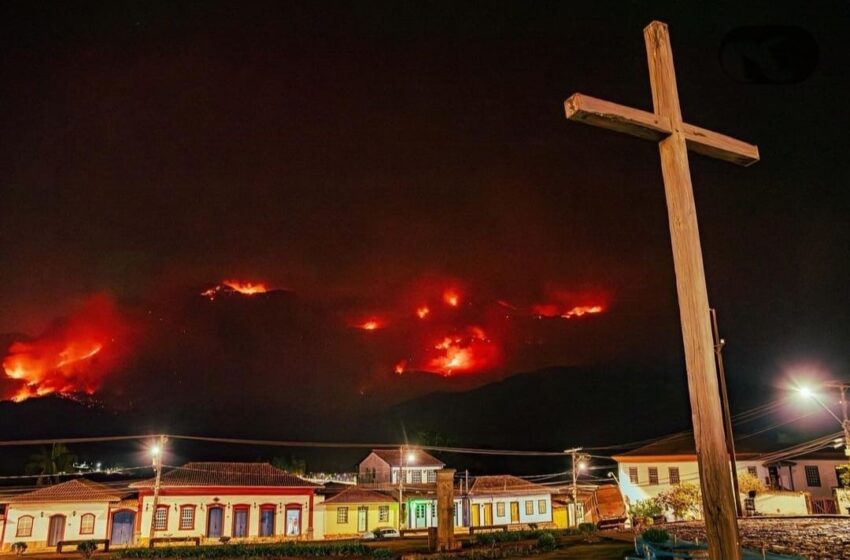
(401, 367)
(423, 311)
(68, 358)
(464, 353)
(370, 324)
(451, 297)
(246, 288)
(582, 310)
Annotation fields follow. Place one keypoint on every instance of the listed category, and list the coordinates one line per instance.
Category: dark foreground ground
(818, 538)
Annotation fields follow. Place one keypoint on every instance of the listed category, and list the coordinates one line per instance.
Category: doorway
(488, 514)
(214, 518)
(362, 515)
(56, 530)
(514, 512)
(122, 527)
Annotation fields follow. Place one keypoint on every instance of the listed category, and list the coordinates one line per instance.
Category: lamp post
(157, 450)
(844, 420)
(579, 464)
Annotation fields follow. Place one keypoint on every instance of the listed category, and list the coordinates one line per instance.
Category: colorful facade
(354, 511)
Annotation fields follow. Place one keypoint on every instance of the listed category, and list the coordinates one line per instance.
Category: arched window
(24, 526)
(87, 524)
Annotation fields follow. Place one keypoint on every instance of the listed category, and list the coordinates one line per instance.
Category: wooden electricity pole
(675, 138)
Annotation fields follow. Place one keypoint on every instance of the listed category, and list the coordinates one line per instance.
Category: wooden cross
(675, 138)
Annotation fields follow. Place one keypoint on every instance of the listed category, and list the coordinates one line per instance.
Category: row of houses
(211, 502)
(804, 484)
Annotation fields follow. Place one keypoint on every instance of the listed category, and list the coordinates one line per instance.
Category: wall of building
(334, 529)
(828, 477)
(429, 519)
(42, 513)
(781, 503)
(427, 475)
(228, 502)
(536, 515)
(381, 470)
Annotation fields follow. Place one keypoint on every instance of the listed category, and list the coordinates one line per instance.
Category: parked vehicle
(381, 533)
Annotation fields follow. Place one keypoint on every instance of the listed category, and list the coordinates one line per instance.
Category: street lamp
(808, 393)
(156, 451)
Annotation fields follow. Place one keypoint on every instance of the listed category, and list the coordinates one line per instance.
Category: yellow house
(355, 511)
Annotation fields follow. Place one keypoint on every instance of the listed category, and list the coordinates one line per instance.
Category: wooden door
(362, 519)
(514, 512)
(240, 522)
(123, 523)
(476, 515)
(56, 530)
(214, 519)
(488, 514)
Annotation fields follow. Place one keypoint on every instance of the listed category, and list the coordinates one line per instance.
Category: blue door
(240, 522)
(267, 522)
(122, 527)
(214, 522)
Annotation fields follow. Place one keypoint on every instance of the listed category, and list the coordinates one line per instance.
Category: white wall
(505, 519)
(41, 514)
(828, 477)
(408, 474)
(202, 503)
(781, 503)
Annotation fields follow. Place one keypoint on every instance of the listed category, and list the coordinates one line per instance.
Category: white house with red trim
(75, 510)
(218, 501)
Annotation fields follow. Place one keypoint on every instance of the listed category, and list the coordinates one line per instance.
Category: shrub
(643, 511)
(750, 485)
(655, 535)
(546, 541)
(683, 500)
(589, 531)
(382, 553)
(19, 548)
(86, 548)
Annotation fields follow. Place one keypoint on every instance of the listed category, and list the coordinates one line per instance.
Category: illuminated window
(160, 520)
(812, 475)
(342, 515)
(541, 506)
(673, 473)
(500, 509)
(529, 507)
(87, 524)
(633, 475)
(383, 514)
(653, 476)
(187, 517)
(24, 526)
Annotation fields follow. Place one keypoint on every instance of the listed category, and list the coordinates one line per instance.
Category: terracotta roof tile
(226, 474)
(412, 458)
(359, 496)
(505, 484)
(76, 490)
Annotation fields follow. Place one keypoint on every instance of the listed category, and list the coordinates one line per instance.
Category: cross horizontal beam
(649, 126)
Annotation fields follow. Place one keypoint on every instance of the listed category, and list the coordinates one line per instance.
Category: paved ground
(817, 538)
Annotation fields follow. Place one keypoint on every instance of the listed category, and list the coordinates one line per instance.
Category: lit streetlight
(809, 393)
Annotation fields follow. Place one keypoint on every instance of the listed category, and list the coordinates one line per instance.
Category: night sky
(366, 160)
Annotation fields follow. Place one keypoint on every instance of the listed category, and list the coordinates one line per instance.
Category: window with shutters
(342, 515)
(24, 526)
(500, 509)
(633, 475)
(432, 476)
(812, 475)
(653, 476)
(417, 477)
(87, 524)
(673, 474)
(384, 514)
(529, 507)
(541, 506)
(187, 517)
(160, 519)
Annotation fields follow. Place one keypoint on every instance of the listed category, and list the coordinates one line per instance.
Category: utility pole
(401, 507)
(719, 343)
(578, 464)
(157, 450)
(845, 421)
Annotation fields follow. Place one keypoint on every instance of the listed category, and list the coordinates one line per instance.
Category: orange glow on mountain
(72, 356)
(246, 288)
(400, 367)
(465, 353)
(370, 324)
(581, 310)
(423, 311)
(451, 297)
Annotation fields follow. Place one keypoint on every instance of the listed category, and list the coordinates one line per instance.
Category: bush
(382, 553)
(748, 483)
(546, 541)
(19, 548)
(87, 548)
(654, 535)
(683, 500)
(643, 511)
(348, 548)
(589, 531)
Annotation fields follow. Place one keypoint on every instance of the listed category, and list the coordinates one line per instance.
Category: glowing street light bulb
(806, 392)
(411, 457)
(155, 450)
(582, 466)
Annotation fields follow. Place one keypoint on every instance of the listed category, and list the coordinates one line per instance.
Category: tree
(683, 500)
(50, 462)
(844, 475)
(644, 511)
(291, 464)
(748, 483)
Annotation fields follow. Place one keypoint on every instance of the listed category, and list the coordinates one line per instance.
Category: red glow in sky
(70, 357)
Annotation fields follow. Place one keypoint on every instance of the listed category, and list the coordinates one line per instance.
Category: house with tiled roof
(355, 510)
(75, 510)
(508, 500)
(382, 466)
(217, 501)
(794, 486)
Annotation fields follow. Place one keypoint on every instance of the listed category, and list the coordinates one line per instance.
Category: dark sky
(367, 156)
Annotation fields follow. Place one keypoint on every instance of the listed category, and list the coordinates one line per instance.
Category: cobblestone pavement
(817, 538)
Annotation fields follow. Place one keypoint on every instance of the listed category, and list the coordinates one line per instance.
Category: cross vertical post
(675, 137)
